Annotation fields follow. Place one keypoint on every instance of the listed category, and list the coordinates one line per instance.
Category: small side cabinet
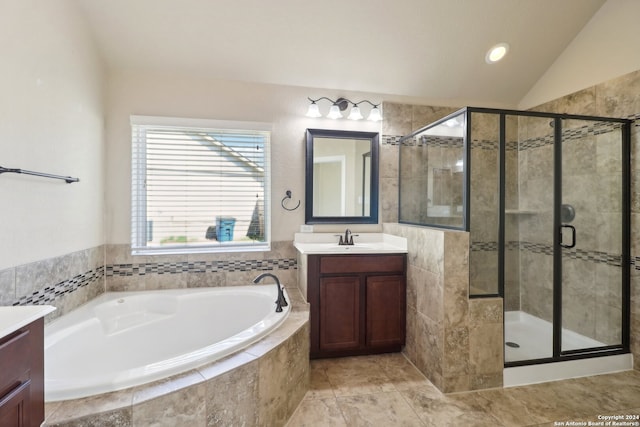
(357, 304)
(22, 376)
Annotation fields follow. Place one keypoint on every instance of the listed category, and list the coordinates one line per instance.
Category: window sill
(186, 250)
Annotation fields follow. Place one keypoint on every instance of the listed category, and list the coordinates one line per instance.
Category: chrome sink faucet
(281, 301)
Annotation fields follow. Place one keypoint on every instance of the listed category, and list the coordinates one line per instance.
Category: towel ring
(287, 197)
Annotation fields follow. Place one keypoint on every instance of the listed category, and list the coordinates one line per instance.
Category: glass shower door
(563, 237)
(528, 239)
(591, 236)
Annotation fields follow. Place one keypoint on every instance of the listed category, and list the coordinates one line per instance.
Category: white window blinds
(199, 188)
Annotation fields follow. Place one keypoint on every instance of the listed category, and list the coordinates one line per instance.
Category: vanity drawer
(14, 352)
(362, 264)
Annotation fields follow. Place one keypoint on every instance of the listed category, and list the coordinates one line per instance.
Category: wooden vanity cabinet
(357, 304)
(22, 376)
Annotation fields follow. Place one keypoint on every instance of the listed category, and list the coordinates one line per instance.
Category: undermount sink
(317, 243)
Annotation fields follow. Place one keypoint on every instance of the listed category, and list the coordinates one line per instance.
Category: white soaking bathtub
(124, 339)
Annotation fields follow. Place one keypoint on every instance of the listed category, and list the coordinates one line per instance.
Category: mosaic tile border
(571, 134)
(49, 293)
(484, 144)
(200, 267)
(545, 249)
(634, 117)
(483, 246)
(390, 139)
(434, 141)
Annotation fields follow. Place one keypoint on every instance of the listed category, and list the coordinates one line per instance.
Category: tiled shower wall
(423, 156)
(399, 120)
(456, 342)
(620, 98)
(592, 292)
(592, 273)
(484, 203)
(615, 98)
(69, 281)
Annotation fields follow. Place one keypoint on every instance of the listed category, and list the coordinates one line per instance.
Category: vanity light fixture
(314, 110)
(340, 105)
(334, 112)
(496, 53)
(355, 113)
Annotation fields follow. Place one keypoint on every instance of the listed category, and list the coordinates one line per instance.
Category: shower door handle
(573, 236)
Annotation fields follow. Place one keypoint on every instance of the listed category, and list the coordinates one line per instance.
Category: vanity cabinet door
(22, 376)
(385, 311)
(340, 313)
(357, 304)
(15, 407)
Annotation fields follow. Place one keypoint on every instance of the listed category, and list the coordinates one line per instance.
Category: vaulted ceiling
(432, 49)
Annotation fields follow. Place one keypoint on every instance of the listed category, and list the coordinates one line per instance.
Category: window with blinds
(198, 188)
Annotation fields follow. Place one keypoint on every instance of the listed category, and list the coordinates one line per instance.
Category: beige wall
(201, 98)
(51, 120)
(606, 48)
(52, 117)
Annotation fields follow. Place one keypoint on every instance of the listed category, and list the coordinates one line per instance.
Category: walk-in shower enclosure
(545, 198)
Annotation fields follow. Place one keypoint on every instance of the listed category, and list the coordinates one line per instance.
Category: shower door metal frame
(466, 179)
(558, 354)
(624, 347)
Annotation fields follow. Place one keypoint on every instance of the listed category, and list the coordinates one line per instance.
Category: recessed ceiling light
(496, 53)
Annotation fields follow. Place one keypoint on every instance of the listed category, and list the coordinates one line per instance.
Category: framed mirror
(341, 177)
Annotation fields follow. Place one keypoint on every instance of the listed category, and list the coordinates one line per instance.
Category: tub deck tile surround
(7, 286)
(70, 280)
(259, 386)
(65, 281)
(126, 272)
(238, 405)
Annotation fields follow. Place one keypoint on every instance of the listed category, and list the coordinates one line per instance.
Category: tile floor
(387, 390)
